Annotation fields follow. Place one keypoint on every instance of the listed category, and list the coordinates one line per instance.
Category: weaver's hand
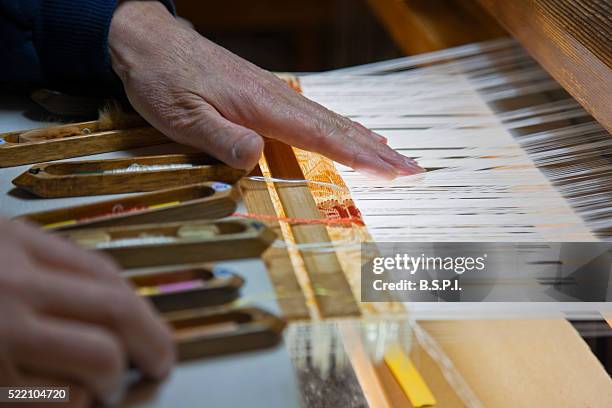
(67, 318)
(200, 94)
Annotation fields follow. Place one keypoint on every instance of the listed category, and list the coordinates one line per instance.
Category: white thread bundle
(491, 174)
(135, 167)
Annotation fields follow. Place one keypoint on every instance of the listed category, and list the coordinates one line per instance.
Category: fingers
(231, 143)
(352, 144)
(277, 112)
(72, 350)
(346, 142)
(63, 254)
(60, 317)
(116, 308)
(196, 123)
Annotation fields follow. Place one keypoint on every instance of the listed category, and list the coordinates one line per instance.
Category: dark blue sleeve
(65, 43)
(19, 61)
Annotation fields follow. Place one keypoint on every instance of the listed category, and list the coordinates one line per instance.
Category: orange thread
(310, 221)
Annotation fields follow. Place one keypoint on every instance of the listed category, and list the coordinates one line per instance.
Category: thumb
(210, 132)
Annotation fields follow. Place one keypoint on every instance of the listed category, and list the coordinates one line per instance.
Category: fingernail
(247, 151)
(412, 170)
(400, 164)
(409, 161)
(411, 166)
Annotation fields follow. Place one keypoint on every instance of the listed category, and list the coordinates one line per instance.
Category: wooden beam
(571, 40)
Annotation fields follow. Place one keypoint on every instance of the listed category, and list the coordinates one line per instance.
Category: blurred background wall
(314, 35)
(293, 35)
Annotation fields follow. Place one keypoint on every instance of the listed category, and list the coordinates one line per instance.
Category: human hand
(68, 319)
(202, 95)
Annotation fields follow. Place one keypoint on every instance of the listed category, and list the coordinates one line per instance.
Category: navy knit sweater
(61, 44)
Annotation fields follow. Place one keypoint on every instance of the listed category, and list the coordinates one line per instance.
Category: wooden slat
(572, 40)
(280, 269)
(333, 293)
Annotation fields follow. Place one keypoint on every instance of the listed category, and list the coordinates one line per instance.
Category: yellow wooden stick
(409, 378)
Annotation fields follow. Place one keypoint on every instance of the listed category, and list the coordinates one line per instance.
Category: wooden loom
(319, 285)
(327, 199)
(314, 284)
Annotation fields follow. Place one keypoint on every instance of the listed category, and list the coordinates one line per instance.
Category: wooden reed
(277, 259)
(324, 269)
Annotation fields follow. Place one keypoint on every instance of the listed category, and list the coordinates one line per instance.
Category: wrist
(137, 31)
